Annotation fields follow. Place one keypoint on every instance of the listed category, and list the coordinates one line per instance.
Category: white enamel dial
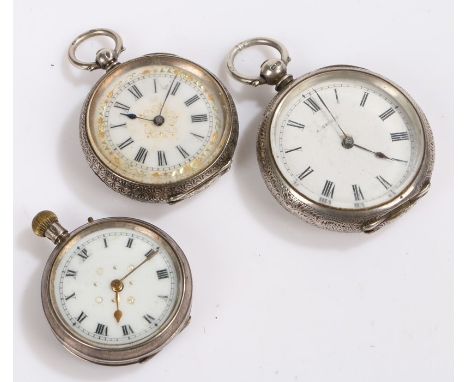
(81, 285)
(347, 139)
(151, 136)
(157, 124)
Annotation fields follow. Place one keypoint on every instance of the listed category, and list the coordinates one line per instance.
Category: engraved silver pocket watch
(341, 147)
(157, 128)
(115, 291)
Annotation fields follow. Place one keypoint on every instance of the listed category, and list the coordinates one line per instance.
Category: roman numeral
(70, 273)
(155, 87)
(182, 152)
(127, 329)
(151, 253)
(83, 254)
(336, 96)
(101, 329)
(175, 88)
(129, 243)
(387, 114)
(122, 124)
(192, 100)
(162, 274)
(105, 243)
(149, 318)
(69, 297)
(81, 317)
(164, 297)
(364, 99)
(383, 182)
(162, 158)
(311, 103)
(291, 150)
(328, 189)
(141, 155)
(199, 118)
(305, 173)
(126, 143)
(295, 124)
(135, 91)
(122, 106)
(403, 136)
(201, 137)
(358, 195)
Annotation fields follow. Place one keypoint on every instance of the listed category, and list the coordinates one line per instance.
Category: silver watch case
(178, 320)
(170, 192)
(345, 220)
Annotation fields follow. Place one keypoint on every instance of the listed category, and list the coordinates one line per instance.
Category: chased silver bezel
(336, 219)
(169, 192)
(139, 352)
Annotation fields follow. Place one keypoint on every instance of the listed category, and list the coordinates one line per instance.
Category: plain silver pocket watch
(341, 147)
(115, 291)
(157, 128)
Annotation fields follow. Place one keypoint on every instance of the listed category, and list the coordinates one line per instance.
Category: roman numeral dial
(158, 123)
(91, 303)
(343, 138)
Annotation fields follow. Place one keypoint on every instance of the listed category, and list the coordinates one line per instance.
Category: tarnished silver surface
(105, 58)
(138, 353)
(170, 192)
(365, 220)
(273, 72)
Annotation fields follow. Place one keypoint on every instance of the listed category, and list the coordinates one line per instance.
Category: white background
(275, 299)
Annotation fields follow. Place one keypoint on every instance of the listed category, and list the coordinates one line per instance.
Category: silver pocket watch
(157, 128)
(115, 291)
(341, 147)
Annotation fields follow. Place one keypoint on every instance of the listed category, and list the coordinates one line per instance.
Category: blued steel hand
(134, 116)
(378, 154)
(326, 107)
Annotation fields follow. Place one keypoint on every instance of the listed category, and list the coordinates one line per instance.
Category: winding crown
(42, 222)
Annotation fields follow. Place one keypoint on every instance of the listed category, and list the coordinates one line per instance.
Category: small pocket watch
(158, 128)
(341, 147)
(115, 291)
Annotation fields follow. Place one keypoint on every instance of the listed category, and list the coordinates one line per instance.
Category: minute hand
(326, 107)
(139, 265)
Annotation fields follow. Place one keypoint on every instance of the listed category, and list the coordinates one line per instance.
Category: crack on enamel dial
(83, 296)
(312, 187)
(157, 153)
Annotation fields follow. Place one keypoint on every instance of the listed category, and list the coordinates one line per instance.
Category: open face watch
(115, 291)
(341, 147)
(158, 128)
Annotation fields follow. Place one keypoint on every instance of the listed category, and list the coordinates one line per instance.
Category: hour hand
(378, 154)
(134, 116)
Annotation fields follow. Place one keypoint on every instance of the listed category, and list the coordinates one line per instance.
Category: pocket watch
(157, 128)
(116, 290)
(341, 147)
